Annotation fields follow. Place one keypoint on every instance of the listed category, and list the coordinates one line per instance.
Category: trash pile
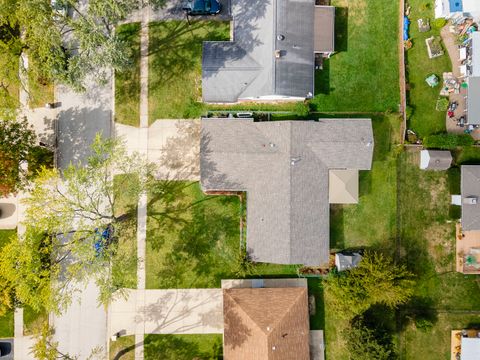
(450, 84)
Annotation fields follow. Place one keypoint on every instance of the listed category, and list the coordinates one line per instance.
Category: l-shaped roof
(284, 167)
(247, 67)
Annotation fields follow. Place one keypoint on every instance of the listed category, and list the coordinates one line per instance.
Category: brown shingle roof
(266, 323)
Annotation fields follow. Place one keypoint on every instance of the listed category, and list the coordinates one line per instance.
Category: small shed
(435, 160)
(470, 348)
(347, 260)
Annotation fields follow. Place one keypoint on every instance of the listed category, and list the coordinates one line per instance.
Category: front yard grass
(193, 239)
(184, 347)
(175, 71)
(422, 98)
(125, 275)
(33, 320)
(123, 348)
(363, 74)
(127, 83)
(6, 321)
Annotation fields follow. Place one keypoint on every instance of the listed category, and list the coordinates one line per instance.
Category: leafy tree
(74, 224)
(375, 281)
(65, 42)
(363, 344)
(17, 141)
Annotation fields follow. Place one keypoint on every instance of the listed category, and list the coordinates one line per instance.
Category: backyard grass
(421, 98)
(434, 343)
(362, 75)
(377, 201)
(6, 321)
(175, 59)
(184, 347)
(127, 83)
(123, 348)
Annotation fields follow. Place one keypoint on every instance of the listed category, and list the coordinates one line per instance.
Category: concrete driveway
(174, 145)
(80, 117)
(83, 326)
(175, 311)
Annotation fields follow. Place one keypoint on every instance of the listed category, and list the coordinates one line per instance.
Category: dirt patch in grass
(441, 246)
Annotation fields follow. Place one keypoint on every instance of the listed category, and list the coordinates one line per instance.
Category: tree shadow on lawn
(176, 48)
(176, 347)
(341, 29)
(202, 237)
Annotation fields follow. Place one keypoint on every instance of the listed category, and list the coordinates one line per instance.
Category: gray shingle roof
(470, 188)
(324, 39)
(473, 105)
(435, 160)
(284, 167)
(257, 27)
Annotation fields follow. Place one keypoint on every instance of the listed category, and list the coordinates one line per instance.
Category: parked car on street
(202, 7)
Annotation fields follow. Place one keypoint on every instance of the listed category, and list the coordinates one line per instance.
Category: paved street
(175, 311)
(80, 117)
(83, 327)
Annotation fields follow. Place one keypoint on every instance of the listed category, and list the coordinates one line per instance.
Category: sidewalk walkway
(172, 311)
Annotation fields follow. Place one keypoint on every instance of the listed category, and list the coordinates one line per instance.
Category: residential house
(451, 8)
(272, 53)
(291, 171)
(471, 70)
(268, 322)
(468, 234)
(435, 160)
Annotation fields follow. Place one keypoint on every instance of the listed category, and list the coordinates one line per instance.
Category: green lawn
(125, 271)
(192, 239)
(6, 321)
(434, 343)
(127, 83)
(363, 75)
(33, 320)
(377, 200)
(183, 347)
(175, 59)
(123, 348)
(425, 119)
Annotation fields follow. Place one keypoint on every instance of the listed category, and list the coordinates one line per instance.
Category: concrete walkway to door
(172, 311)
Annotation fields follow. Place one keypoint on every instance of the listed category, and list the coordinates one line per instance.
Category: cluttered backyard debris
(434, 47)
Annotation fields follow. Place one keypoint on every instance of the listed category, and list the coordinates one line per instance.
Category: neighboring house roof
(284, 167)
(345, 261)
(470, 188)
(447, 8)
(470, 348)
(343, 186)
(247, 68)
(266, 323)
(473, 105)
(324, 36)
(435, 160)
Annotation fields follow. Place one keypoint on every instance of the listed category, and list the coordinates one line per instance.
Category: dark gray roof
(324, 29)
(284, 167)
(473, 105)
(470, 188)
(247, 67)
(435, 160)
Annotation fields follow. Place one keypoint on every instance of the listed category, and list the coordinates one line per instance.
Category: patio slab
(465, 241)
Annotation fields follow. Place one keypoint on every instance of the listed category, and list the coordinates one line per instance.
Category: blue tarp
(456, 6)
(406, 25)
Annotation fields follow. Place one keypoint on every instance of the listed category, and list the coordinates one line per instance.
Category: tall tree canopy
(17, 143)
(64, 41)
(376, 281)
(74, 222)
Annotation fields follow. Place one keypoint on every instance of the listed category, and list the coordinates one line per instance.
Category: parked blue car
(202, 7)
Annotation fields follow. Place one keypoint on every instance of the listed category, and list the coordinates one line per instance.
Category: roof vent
(272, 145)
(294, 160)
(280, 37)
(274, 348)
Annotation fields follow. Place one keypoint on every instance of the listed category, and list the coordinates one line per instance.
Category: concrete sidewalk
(175, 311)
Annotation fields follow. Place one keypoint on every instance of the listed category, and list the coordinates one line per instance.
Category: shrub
(447, 141)
(442, 104)
(302, 108)
(439, 23)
